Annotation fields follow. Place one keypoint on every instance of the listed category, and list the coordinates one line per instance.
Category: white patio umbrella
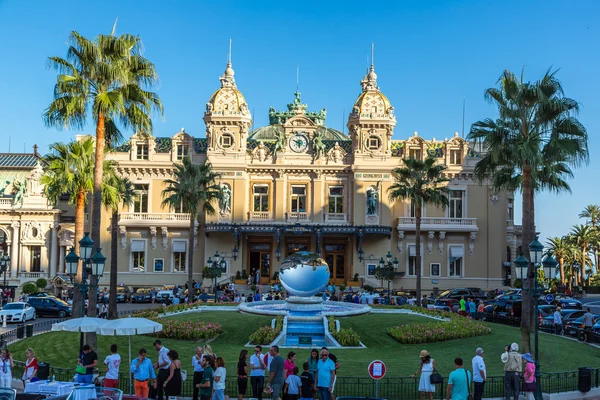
(129, 327)
(83, 324)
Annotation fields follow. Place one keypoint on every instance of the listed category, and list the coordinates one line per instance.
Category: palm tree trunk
(114, 235)
(95, 220)
(527, 237)
(190, 266)
(79, 227)
(582, 269)
(561, 266)
(418, 252)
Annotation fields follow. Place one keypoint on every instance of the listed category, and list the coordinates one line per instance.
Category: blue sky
(429, 56)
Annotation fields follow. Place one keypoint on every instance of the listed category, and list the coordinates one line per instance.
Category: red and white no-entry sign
(377, 369)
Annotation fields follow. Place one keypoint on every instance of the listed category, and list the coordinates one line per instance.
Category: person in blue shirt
(473, 309)
(257, 296)
(325, 375)
(458, 382)
(143, 371)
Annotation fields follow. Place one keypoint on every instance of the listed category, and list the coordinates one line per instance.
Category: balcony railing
(147, 219)
(6, 202)
(31, 275)
(336, 218)
(260, 215)
(297, 216)
(439, 224)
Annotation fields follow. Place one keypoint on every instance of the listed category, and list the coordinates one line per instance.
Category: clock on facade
(299, 142)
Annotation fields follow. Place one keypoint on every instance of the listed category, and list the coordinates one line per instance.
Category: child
(292, 385)
(308, 383)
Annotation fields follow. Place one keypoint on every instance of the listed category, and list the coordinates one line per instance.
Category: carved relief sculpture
(400, 239)
(123, 232)
(318, 146)
(472, 238)
(165, 238)
(336, 153)
(372, 200)
(441, 242)
(225, 201)
(153, 237)
(260, 152)
(430, 236)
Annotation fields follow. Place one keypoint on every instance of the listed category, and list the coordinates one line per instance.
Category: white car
(17, 312)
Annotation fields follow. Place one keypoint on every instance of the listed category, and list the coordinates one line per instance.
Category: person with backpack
(459, 382)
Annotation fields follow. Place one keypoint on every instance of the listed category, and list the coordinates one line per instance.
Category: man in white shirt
(162, 365)
(198, 371)
(479, 374)
(558, 323)
(112, 362)
(257, 373)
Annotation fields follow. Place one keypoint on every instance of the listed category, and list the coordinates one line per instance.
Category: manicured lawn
(556, 354)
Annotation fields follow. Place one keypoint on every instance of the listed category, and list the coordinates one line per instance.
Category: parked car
(41, 294)
(572, 327)
(474, 293)
(547, 323)
(488, 313)
(51, 306)
(512, 294)
(142, 295)
(569, 303)
(17, 312)
(507, 310)
(447, 304)
(166, 292)
(123, 294)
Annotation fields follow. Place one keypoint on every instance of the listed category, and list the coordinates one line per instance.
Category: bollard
(4, 321)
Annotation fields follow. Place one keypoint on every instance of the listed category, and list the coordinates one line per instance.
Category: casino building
(297, 184)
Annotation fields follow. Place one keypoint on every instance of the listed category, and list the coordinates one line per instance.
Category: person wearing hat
(426, 368)
(558, 323)
(513, 367)
(529, 383)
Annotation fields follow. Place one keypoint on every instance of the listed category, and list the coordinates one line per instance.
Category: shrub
(347, 337)
(518, 284)
(355, 279)
(244, 274)
(238, 275)
(41, 283)
(457, 328)
(264, 335)
(331, 324)
(368, 288)
(342, 287)
(279, 322)
(30, 288)
(189, 330)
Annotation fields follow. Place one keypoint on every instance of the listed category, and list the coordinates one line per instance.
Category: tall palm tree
(583, 236)
(70, 169)
(561, 249)
(193, 188)
(592, 213)
(115, 192)
(531, 146)
(421, 182)
(105, 79)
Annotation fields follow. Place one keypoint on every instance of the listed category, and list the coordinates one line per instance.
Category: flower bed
(188, 330)
(265, 335)
(347, 337)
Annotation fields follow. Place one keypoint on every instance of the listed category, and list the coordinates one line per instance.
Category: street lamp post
(4, 267)
(390, 269)
(91, 265)
(216, 268)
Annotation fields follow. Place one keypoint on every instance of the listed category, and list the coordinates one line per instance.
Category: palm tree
(561, 249)
(592, 213)
(70, 169)
(115, 192)
(531, 146)
(105, 79)
(583, 236)
(421, 182)
(193, 188)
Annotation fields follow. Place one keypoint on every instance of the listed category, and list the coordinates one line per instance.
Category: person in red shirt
(31, 366)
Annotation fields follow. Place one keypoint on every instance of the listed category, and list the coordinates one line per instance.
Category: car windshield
(13, 306)
(445, 293)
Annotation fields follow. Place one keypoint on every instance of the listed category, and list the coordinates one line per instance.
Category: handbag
(470, 396)
(529, 386)
(183, 375)
(435, 378)
(81, 370)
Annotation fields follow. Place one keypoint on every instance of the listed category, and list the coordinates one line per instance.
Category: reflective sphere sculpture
(304, 274)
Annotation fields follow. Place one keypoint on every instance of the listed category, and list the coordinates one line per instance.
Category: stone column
(53, 255)
(61, 260)
(14, 249)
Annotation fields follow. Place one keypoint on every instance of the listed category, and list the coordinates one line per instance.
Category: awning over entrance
(300, 229)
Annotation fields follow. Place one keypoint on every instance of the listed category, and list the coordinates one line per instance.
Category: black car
(507, 310)
(123, 294)
(467, 293)
(571, 328)
(142, 295)
(547, 323)
(50, 306)
(567, 303)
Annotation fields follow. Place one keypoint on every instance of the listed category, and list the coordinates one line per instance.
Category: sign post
(549, 298)
(376, 372)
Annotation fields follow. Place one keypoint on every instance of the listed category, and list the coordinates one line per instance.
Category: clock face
(299, 142)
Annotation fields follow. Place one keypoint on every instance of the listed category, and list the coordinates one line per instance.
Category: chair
(8, 394)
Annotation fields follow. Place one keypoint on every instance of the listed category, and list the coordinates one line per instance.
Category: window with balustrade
(179, 255)
(138, 255)
(140, 200)
(298, 199)
(456, 157)
(336, 200)
(260, 194)
(456, 256)
(455, 207)
(183, 151)
(36, 255)
(141, 151)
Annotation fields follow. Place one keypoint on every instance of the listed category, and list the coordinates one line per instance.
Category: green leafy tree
(561, 249)
(530, 146)
(30, 288)
(106, 80)
(116, 191)
(195, 189)
(583, 236)
(421, 182)
(41, 283)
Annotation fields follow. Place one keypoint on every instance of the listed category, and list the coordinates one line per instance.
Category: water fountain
(304, 275)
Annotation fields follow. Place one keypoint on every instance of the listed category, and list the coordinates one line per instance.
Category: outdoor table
(61, 388)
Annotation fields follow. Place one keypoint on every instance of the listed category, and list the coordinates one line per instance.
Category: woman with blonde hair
(219, 378)
(426, 368)
(31, 366)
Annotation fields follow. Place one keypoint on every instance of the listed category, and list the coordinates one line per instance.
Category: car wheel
(62, 314)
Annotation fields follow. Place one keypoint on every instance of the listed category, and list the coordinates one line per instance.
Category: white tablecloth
(61, 389)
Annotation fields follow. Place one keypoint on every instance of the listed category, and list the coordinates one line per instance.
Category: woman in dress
(6, 366)
(172, 384)
(529, 383)
(219, 378)
(31, 366)
(242, 374)
(426, 368)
